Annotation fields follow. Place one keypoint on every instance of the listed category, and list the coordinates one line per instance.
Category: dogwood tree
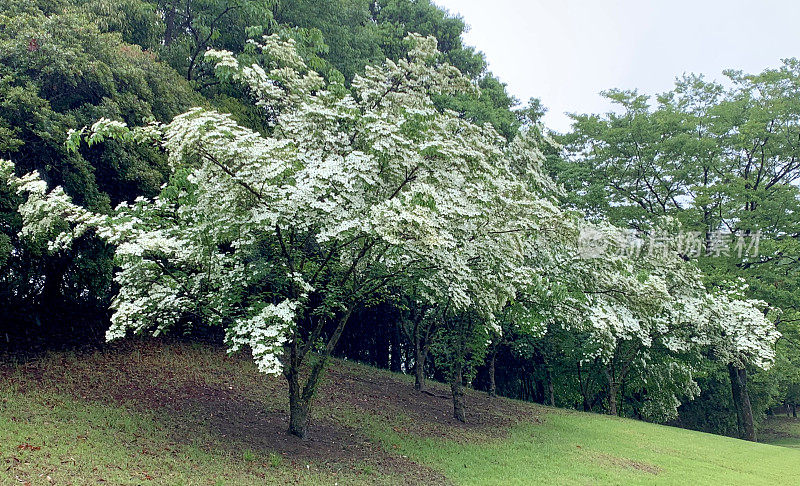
(629, 296)
(719, 157)
(616, 302)
(535, 236)
(279, 236)
(738, 333)
(651, 318)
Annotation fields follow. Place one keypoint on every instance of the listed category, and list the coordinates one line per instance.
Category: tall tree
(722, 161)
(280, 237)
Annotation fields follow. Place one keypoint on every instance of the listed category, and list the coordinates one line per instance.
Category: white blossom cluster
(265, 334)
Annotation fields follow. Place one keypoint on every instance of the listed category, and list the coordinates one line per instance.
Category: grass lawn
(578, 448)
(160, 413)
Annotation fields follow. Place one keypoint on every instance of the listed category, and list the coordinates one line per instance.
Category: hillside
(150, 412)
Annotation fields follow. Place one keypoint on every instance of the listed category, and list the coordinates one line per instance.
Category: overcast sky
(566, 51)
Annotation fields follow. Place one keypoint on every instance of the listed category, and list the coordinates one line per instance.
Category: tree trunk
(492, 383)
(737, 397)
(741, 400)
(458, 395)
(794, 410)
(527, 394)
(419, 368)
(396, 358)
(298, 411)
(584, 389)
(300, 397)
(612, 396)
(169, 24)
(420, 353)
(551, 396)
(540, 394)
(382, 352)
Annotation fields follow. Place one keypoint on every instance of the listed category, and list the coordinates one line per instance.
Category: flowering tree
(722, 159)
(738, 333)
(279, 237)
(643, 317)
(626, 309)
(506, 262)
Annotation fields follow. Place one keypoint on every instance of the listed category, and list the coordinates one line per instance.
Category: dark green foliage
(711, 411)
(347, 27)
(59, 72)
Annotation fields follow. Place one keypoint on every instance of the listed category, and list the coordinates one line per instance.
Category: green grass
(578, 448)
(51, 432)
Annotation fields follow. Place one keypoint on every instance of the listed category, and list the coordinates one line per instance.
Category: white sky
(566, 51)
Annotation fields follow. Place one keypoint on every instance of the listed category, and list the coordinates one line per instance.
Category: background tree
(722, 161)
